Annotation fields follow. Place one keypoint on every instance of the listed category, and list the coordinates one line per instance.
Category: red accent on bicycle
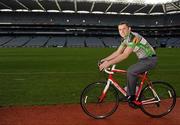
(101, 99)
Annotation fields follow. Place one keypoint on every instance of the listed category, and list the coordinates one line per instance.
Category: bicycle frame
(143, 77)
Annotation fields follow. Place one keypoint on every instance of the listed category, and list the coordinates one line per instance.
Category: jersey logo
(136, 40)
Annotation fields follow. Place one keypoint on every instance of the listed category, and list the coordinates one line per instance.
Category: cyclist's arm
(114, 54)
(128, 50)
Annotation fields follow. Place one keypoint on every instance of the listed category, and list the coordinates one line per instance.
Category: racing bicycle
(101, 99)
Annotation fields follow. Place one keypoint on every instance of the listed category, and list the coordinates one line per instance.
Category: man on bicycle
(132, 42)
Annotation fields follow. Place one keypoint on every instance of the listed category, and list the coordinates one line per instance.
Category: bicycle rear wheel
(91, 104)
(158, 100)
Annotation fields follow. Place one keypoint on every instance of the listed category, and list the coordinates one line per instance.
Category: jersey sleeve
(134, 40)
(131, 44)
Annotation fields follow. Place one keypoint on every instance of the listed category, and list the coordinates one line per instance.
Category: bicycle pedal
(135, 104)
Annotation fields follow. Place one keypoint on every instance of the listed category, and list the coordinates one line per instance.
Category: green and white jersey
(140, 45)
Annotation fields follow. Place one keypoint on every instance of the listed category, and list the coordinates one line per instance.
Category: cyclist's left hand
(104, 65)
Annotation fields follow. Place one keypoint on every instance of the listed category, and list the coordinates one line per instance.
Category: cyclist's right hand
(100, 62)
(104, 65)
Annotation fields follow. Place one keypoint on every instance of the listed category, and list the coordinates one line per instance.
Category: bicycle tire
(167, 95)
(90, 104)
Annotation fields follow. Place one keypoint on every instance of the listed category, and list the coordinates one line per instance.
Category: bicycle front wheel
(158, 100)
(91, 104)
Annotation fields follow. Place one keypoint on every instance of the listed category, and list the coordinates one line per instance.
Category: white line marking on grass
(27, 73)
(71, 72)
(19, 79)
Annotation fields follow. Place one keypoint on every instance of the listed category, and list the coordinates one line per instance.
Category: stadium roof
(129, 7)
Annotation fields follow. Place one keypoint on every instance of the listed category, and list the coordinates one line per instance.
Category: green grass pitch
(42, 76)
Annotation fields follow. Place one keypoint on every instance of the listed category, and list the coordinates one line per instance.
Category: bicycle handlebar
(108, 70)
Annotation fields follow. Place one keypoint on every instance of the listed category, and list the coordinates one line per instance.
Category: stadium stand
(96, 27)
(173, 42)
(75, 42)
(79, 41)
(4, 40)
(111, 42)
(94, 42)
(152, 41)
(56, 42)
(17, 41)
(38, 41)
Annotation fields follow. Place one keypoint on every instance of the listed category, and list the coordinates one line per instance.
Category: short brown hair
(124, 22)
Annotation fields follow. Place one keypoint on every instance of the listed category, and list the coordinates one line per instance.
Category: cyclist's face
(124, 30)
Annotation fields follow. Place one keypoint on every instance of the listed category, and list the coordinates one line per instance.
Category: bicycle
(101, 99)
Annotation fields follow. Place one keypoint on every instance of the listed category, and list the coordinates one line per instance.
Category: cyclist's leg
(135, 69)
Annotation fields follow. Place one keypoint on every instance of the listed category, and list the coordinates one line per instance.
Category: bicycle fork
(102, 96)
